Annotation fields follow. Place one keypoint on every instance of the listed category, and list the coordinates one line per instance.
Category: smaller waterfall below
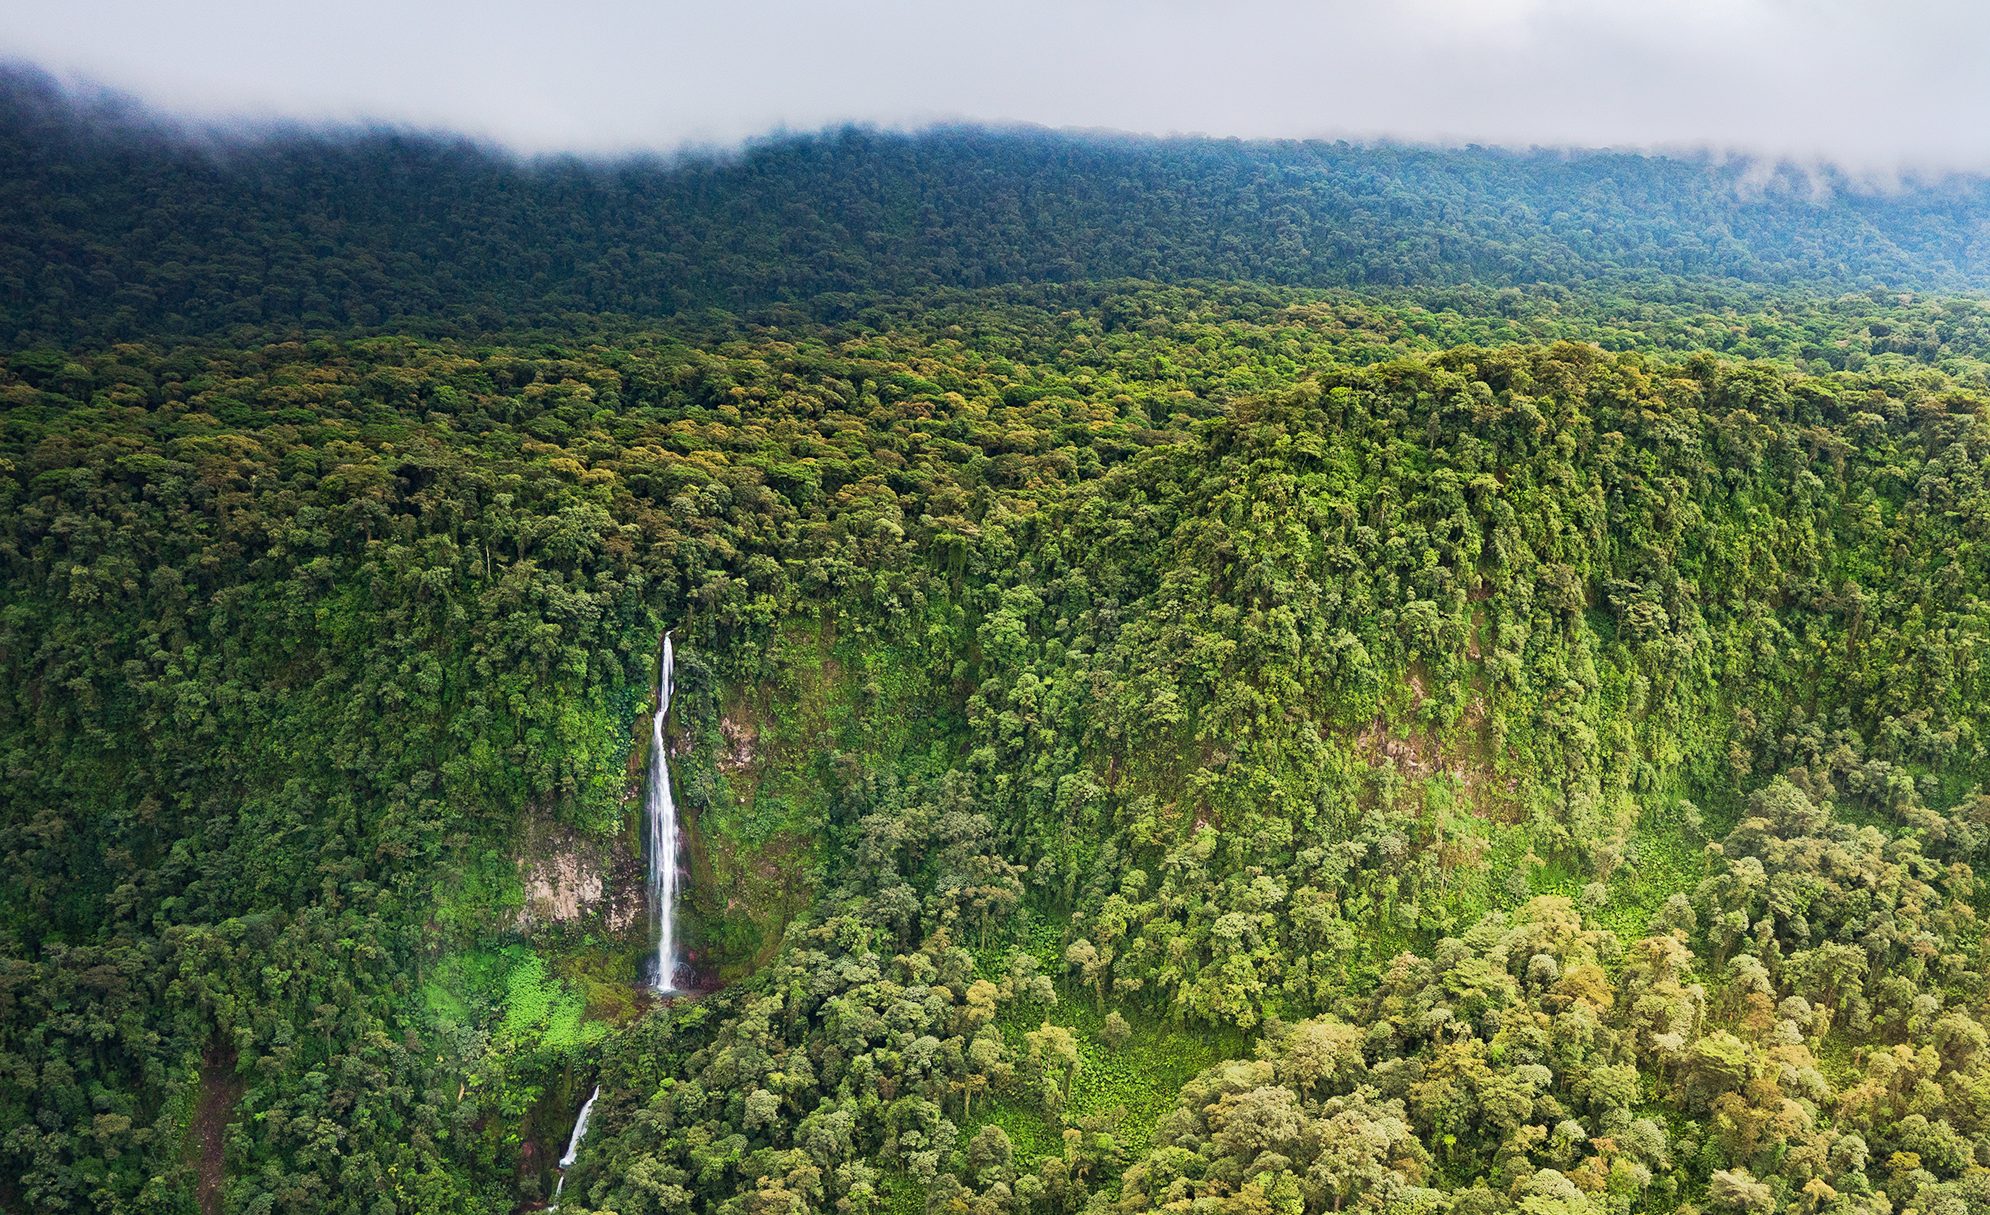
(661, 812)
(580, 1130)
(573, 1146)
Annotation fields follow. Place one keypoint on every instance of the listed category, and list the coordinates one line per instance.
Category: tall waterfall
(661, 812)
(573, 1146)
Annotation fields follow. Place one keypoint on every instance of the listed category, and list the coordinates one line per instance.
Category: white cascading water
(661, 812)
(573, 1146)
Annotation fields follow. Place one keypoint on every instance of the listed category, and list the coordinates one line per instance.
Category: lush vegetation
(1214, 747)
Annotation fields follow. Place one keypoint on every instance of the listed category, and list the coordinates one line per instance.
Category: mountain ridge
(119, 229)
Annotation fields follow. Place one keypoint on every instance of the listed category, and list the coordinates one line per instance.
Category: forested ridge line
(115, 224)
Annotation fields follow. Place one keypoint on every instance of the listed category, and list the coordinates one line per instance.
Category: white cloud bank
(1885, 86)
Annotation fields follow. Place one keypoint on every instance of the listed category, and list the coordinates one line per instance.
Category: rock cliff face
(574, 879)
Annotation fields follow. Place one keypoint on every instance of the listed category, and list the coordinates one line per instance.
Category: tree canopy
(1385, 726)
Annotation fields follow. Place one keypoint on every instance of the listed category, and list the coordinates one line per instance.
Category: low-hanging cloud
(1876, 88)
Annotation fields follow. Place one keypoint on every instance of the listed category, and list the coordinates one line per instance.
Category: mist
(1874, 90)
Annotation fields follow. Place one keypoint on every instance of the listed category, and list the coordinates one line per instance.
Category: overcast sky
(1881, 85)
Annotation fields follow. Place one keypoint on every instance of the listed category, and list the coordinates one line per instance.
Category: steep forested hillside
(119, 225)
(1467, 746)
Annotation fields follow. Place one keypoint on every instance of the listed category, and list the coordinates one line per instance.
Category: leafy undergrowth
(510, 992)
(1131, 1085)
(1665, 858)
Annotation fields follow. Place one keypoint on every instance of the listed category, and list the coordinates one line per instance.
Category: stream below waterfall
(573, 1146)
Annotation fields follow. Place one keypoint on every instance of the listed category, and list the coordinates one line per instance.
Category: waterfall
(573, 1146)
(661, 813)
(580, 1130)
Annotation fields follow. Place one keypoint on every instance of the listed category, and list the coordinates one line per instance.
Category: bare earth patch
(220, 1091)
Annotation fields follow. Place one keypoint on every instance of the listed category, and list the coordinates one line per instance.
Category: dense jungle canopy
(1214, 677)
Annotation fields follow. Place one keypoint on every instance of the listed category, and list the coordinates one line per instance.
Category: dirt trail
(220, 1089)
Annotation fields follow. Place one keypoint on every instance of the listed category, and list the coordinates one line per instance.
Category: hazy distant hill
(114, 222)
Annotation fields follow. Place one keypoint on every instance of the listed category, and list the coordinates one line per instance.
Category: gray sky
(1884, 85)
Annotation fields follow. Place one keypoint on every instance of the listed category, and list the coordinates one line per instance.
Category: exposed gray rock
(569, 877)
